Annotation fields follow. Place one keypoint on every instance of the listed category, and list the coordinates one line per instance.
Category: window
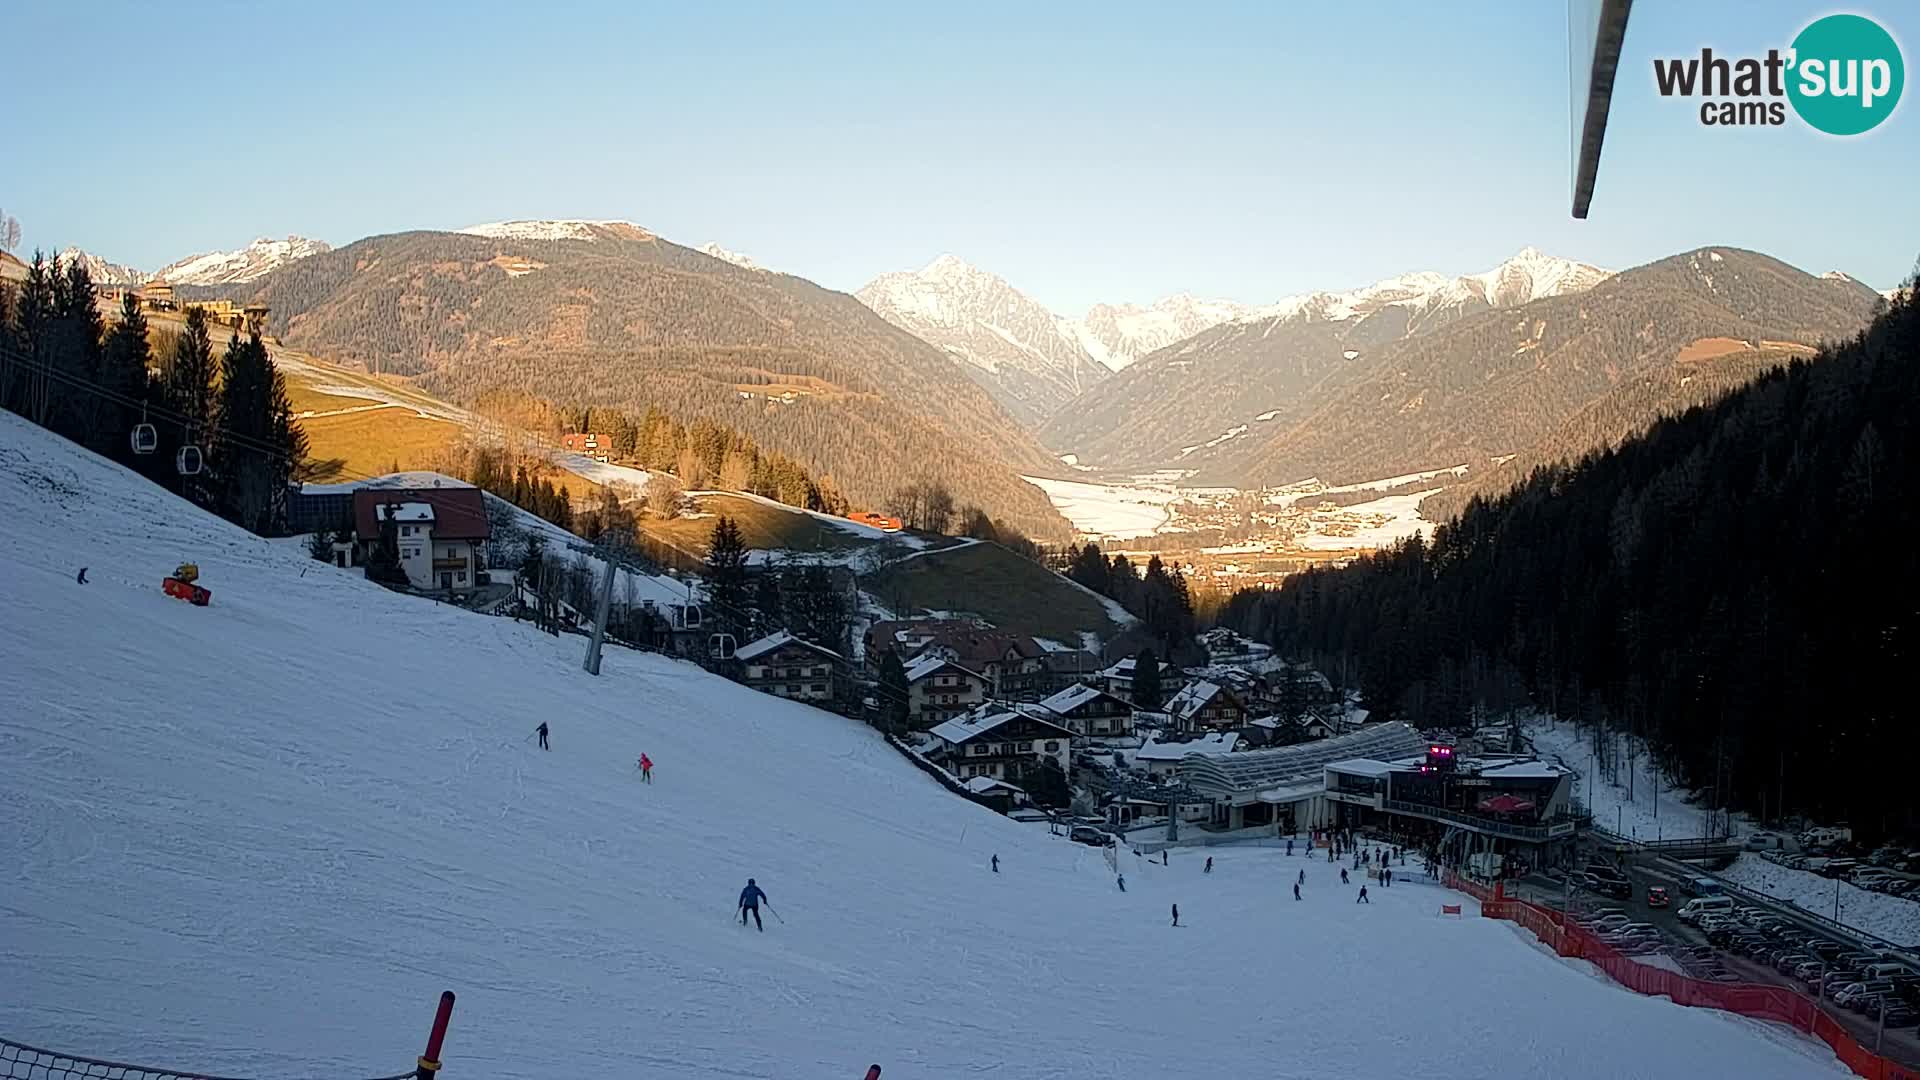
(978, 749)
(793, 688)
(819, 688)
(406, 530)
(1053, 746)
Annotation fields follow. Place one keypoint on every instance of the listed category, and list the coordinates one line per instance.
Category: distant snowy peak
(1118, 334)
(257, 259)
(744, 262)
(103, 272)
(1032, 360)
(569, 229)
(1528, 276)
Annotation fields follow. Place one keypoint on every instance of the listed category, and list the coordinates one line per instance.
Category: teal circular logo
(1846, 75)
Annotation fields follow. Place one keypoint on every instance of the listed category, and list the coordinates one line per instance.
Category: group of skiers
(753, 895)
(645, 764)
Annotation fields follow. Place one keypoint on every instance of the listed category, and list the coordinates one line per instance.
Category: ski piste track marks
(251, 836)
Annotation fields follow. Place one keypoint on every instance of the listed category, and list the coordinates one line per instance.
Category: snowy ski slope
(259, 838)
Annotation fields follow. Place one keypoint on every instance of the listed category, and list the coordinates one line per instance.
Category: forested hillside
(1739, 585)
(629, 320)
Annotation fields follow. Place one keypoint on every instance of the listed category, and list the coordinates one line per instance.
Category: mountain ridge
(614, 315)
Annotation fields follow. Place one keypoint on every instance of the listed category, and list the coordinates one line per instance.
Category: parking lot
(1740, 949)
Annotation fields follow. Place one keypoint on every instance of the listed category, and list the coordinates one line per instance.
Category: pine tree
(769, 607)
(189, 394)
(1147, 691)
(126, 360)
(1089, 568)
(727, 577)
(893, 692)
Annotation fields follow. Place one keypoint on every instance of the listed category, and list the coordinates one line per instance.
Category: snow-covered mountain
(559, 229)
(744, 262)
(1030, 359)
(257, 259)
(102, 271)
(1231, 382)
(1118, 334)
(1424, 297)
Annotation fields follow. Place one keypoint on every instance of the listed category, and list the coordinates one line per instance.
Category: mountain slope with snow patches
(1030, 359)
(258, 838)
(103, 272)
(258, 259)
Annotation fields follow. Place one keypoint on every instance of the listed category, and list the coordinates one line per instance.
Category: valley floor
(260, 837)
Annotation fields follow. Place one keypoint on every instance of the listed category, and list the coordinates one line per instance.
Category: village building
(1118, 678)
(1001, 744)
(1014, 664)
(1162, 759)
(440, 534)
(786, 666)
(939, 690)
(1090, 711)
(1462, 804)
(588, 444)
(1285, 788)
(1203, 705)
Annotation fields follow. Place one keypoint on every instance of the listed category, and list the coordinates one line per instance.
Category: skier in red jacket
(646, 768)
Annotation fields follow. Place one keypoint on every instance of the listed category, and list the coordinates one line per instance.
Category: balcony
(449, 565)
(1537, 834)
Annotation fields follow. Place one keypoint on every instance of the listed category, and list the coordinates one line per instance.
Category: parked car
(1855, 996)
(1901, 1013)
(1787, 962)
(1657, 896)
(1597, 914)
(1836, 868)
(1764, 841)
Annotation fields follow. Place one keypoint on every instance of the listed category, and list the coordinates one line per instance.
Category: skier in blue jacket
(750, 898)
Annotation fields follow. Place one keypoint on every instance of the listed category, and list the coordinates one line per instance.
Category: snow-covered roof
(1524, 770)
(1192, 698)
(1220, 742)
(932, 662)
(410, 511)
(981, 785)
(776, 640)
(1073, 697)
(975, 724)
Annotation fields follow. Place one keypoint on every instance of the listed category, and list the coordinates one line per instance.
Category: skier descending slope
(541, 731)
(750, 898)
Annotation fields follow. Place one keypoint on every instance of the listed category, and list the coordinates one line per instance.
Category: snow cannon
(181, 585)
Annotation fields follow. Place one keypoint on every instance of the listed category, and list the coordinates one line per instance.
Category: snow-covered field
(1630, 809)
(1109, 511)
(1382, 522)
(260, 837)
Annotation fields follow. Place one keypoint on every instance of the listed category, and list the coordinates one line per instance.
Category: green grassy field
(989, 581)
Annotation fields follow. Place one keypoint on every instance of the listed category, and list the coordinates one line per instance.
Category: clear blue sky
(1085, 151)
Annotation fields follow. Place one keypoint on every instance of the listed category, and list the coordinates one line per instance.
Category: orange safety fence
(1775, 1003)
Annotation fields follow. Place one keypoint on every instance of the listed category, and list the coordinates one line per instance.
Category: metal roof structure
(1300, 766)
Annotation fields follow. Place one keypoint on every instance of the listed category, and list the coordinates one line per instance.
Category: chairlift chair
(144, 438)
(187, 461)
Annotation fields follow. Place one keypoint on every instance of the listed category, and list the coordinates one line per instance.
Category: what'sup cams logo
(1842, 75)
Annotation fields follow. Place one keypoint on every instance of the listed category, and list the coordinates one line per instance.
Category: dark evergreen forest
(1740, 585)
